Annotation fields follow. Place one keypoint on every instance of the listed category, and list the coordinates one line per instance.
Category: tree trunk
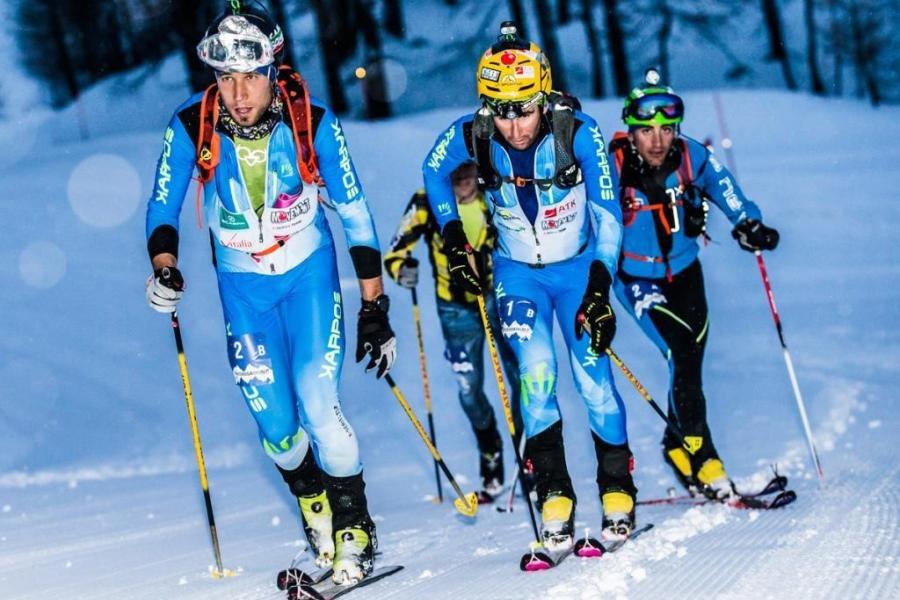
(331, 63)
(563, 14)
(280, 17)
(62, 55)
(393, 18)
(518, 15)
(190, 22)
(665, 34)
(375, 87)
(777, 47)
(617, 49)
(596, 53)
(836, 46)
(815, 77)
(550, 47)
(863, 58)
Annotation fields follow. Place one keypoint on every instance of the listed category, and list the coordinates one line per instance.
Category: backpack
(296, 100)
(562, 126)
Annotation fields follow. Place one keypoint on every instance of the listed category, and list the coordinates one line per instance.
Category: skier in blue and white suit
(275, 260)
(559, 231)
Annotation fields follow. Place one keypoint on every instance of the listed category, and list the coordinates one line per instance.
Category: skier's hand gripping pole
(466, 504)
(801, 406)
(426, 388)
(198, 449)
(507, 412)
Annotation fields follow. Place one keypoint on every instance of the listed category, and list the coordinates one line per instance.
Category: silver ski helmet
(243, 39)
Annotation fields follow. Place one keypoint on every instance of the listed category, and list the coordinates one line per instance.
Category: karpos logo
(329, 367)
(440, 151)
(349, 177)
(164, 171)
(606, 185)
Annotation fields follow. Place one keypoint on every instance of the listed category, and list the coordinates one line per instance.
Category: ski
(759, 502)
(588, 547)
(777, 484)
(540, 559)
(326, 590)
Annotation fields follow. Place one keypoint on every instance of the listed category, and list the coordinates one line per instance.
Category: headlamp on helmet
(242, 40)
(653, 104)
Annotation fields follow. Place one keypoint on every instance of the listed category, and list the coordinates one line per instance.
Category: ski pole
(198, 449)
(790, 366)
(726, 141)
(507, 411)
(423, 367)
(466, 504)
(512, 488)
(646, 396)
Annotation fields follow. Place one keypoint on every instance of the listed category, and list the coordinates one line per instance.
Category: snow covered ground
(99, 495)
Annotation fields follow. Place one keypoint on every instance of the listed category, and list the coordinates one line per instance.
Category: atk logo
(440, 151)
(164, 172)
(560, 209)
(328, 368)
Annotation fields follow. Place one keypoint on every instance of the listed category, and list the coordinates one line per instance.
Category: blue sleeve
(717, 183)
(601, 182)
(344, 188)
(173, 176)
(448, 152)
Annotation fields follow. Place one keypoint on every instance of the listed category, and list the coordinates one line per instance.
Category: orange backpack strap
(207, 139)
(685, 167)
(296, 96)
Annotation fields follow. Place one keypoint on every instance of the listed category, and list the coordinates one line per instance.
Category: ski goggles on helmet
(509, 109)
(238, 46)
(665, 109)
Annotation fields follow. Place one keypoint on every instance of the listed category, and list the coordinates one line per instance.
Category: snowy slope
(99, 496)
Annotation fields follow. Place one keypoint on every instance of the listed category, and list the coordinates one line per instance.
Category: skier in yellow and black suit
(458, 311)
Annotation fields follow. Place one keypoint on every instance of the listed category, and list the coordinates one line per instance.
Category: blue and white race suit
(547, 239)
(278, 278)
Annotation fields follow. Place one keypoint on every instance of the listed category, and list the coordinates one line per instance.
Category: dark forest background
(850, 46)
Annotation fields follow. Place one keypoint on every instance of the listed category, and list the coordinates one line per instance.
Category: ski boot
(354, 556)
(490, 462)
(558, 523)
(306, 483)
(618, 518)
(315, 512)
(714, 481)
(680, 462)
(354, 532)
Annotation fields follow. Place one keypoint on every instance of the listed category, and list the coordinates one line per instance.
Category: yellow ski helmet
(513, 70)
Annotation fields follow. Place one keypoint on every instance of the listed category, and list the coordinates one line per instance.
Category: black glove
(164, 289)
(375, 336)
(459, 258)
(752, 236)
(595, 315)
(408, 273)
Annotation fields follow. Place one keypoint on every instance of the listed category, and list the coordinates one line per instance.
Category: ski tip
(535, 561)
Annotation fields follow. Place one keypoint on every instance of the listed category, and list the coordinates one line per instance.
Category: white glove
(164, 289)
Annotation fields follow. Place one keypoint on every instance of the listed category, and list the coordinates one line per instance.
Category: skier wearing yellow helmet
(545, 170)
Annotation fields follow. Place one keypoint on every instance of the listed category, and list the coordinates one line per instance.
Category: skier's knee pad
(614, 466)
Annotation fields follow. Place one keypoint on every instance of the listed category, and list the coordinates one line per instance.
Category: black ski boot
(556, 497)
(306, 484)
(617, 490)
(354, 532)
(490, 460)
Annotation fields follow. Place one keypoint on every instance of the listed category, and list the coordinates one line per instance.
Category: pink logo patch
(285, 200)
